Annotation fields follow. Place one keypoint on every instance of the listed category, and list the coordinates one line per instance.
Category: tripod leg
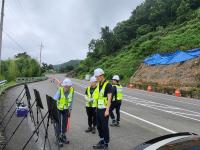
(37, 131)
(56, 134)
(46, 134)
(34, 131)
(46, 128)
(11, 115)
(4, 146)
(1, 123)
(32, 117)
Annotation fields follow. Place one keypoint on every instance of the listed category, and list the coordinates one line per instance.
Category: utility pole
(41, 47)
(1, 29)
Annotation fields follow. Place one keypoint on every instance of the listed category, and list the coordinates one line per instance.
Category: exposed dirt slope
(180, 75)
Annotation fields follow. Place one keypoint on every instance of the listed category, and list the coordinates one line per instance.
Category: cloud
(64, 26)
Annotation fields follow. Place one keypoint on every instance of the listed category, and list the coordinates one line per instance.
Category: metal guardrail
(2, 84)
(30, 79)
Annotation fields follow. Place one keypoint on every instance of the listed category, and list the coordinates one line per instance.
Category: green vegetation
(47, 68)
(154, 26)
(7, 85)
(21, 66)
(66, 67)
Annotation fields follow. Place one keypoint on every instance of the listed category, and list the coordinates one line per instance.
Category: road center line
(140, 93)
(141, 119)
(83, 86)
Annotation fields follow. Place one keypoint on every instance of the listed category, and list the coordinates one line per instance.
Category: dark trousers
(102, 125)
(63, 120)
(115, 105)
(91, 113)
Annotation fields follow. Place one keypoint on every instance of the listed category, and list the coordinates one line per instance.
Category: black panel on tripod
(38, 99)
(28, 95)
(52, 107)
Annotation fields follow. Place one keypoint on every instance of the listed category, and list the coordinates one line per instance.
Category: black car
(177, 141)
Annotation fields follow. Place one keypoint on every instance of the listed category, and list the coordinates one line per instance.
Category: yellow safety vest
(64, 102)
(119, 93)
(90, 101)
(99, 96)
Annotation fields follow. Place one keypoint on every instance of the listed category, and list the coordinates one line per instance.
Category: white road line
(141, 119)
(170, 112)
(81, 85)
(144, 100)
(148, 122)
(140, 92)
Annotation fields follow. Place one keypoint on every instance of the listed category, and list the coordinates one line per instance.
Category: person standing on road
(103, 98)
(64, 98)
(91, 105)
(116, 100)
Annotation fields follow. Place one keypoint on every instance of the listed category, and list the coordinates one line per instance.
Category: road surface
(144, 116)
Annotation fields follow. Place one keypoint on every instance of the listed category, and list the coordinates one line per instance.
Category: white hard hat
(93, 79)
(116, 77)
(98, 72)
(66, 82)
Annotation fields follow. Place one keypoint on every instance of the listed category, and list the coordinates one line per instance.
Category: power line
(14, 41)
(24, 11)
(41, 47)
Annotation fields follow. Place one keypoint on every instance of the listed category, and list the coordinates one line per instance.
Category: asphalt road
(144, 116)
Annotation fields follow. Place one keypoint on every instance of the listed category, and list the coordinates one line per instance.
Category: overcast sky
(65, 27)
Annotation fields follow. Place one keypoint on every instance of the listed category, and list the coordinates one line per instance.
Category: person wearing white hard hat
(64, 98)
(91, 105)
(103, 96)
(116, 100)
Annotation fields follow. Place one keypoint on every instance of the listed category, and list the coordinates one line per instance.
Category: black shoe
(117, 124)
(105, 147)
(60, 143)
(113, 123)
(93, 130)
(88, 130)
(64, 139)
(99, 145)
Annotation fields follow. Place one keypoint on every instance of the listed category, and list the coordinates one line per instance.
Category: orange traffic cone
(149, 88)
(177, 93)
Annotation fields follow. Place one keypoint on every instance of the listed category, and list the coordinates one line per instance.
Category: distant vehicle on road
(177, 141)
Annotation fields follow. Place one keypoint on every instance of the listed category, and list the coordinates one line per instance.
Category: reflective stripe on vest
(119, 93)
(90, 102)
(64, 102)
(102, 101)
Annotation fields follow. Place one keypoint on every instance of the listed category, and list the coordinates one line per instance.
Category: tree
(12, 70)
(24, 54)
(183, 10)
(110, 41)
(50, 67)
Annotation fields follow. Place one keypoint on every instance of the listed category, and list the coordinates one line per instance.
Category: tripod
(49, 114)
(39, 106)
(4, 146)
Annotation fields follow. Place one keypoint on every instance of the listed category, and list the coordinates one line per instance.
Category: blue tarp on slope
(171, 58)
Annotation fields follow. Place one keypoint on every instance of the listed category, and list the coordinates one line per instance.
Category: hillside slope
(122, 50)
(125, 63)
(179, 75)
(67, 66)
